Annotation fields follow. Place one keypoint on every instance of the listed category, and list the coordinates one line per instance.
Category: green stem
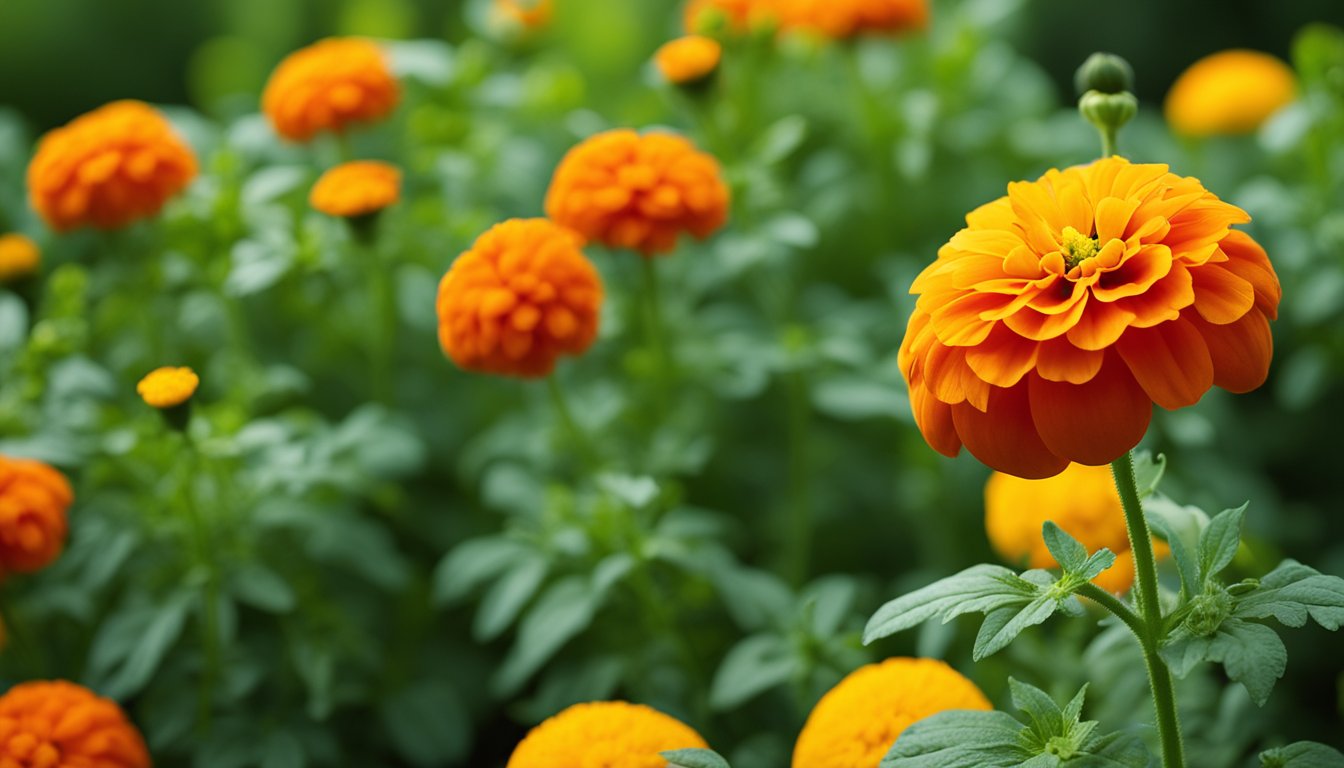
(200, 534)
(875, 122)
(653, 318)
(1108, 142)
(798, 525)
(576, 433)
(1150, 610)
(1116, 606)
(383, 329)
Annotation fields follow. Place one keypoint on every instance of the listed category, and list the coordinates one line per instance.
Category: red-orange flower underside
(1050, 325)
(34, 500)
(848, 18)
(63, 725)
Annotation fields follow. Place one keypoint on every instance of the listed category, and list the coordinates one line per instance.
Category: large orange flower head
(329, 86)
(609, 734)
(63, 725)
(34, 499)
(857, 721)
(1082, 500)
(113, 166)
(519, 299)
(358, 188)
(1230, 92)
(1050, 325)
(639, 192)
(841, 19)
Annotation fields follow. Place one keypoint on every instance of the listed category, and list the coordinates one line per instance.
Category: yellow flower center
(1077, 247)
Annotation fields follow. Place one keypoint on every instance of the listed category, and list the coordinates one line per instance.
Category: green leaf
(1302, 754)
(13, 322)
(506, 598)
(1182, 527)
(959, 739)
(755, 665)
(258, 586)
(428, 724)
(981, 588)
(1291, 593)
(1003, 624)
(694, 758)
(1220, 541)
(563, 611)
(1047, 719)
(152, 644)
(1067, 551)
(1148, 471)
(1252, 654)
(473, 563)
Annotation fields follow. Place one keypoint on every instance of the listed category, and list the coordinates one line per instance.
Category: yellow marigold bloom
(857, 721)
(329, 86)
(520, 298)
(1082, 500)
(531, 14)
(625, 190)
(113, 166)
(19, 257)
(1230, 92)
(357, 188)
(1048, 328)
(604, 734)
(841, 19)
(34, 502)
(168, 387)
(688, 59)
(62, 725)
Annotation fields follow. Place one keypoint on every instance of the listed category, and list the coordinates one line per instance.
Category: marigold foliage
(625, 190)
(329, 86)
(34, 500)
(63, 725)
(609, 734)
(521, 297)
(113, 166)
(19, 257)
(857, 721)
(1230, 92)
(1050, 325)
(356, 188)
(168, 387)
(688, 59)
(1082, 500)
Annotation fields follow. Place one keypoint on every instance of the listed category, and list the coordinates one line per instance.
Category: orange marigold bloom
(19, 257)
(857, 721)
(532, 14)
(1229, 93)
(688, 59)
(639, 192)
(1050, 325)
(34, 499)
(113, 166)
(739, 15)
(611, 734)
(1082, 500)
(329, 86)
(168, 387)
(357, 188)
(847, 18)
(519, 299)
(62, 725)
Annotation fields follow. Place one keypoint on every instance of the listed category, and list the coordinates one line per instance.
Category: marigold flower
(611, 734)
(19, 257)
(329, 86)
(357, 188)
(688, 59)
(1230, 92)
(34, 500)
(639, 192)
(1047, 328)
(1082, 500)
(841, 19)
(857, 721)
(521, 297)
(62, 725)
(530, 14)
(113, 166)
(739, 15)
(168, 387)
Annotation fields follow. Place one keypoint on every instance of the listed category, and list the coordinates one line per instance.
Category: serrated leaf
(1067, 551)
(1220, 541)
(1148, 471)
(694, 758)
(980, 589)
(959, 739)
(1291, 593)
(1008, 623)
(1302, 754)
(1047, 719)
(1181, 527)
(1252, 654)
(1099, 561)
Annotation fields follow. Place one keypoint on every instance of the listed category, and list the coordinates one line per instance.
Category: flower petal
(1004, 437)
(1221, 296)
(1250, 262)
(1241, 351)
(1092, 423)
(1171, 362)
(934, 419)
(1059, 360)
(1003, 359)
(1100, 326)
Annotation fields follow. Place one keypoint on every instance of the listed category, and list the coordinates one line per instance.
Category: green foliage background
(414, 577)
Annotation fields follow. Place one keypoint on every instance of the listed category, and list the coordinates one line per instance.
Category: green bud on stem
(1104, 72)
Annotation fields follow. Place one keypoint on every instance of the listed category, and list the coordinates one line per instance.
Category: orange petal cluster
(329, 86)
(19, 257)
(356, 188)
(610, 734)
(531, 14)
(737, 14)
(1082, 500)
(1047, 328)
(638, 192)
(1229, 92)
(168, 387)
(34, 499)
(519, 299)
(113, 166)
(857, 721)
(688, 59)
(841, 19)
(62, 725)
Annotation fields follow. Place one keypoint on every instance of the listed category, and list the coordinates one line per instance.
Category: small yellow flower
(612, 734)
(1231, 92)
(19, 257)
(356, 189)
(688, 60)
(168, 387)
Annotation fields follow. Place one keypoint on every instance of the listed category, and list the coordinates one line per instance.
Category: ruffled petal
(934, 420)
(1003, 359)
(1241, 351)
(1092, 423)
(1221, 296)
(1100, 326)
(1249, 261)
(1058, 360)
(1170, 361)
(1004, 437)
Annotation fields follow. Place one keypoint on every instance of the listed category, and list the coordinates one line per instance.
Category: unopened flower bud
(1108, 111)
(1104, 72)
